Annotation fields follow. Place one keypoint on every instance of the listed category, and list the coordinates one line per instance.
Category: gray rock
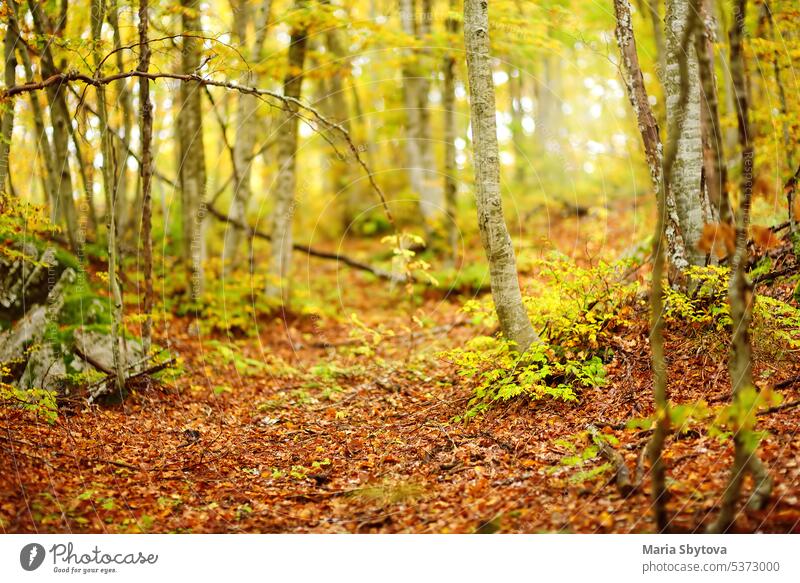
(31, 328)
(97, 347)
(48, 367)
(24, 283)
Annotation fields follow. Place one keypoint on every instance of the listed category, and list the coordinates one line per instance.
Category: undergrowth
(575, 310)
(775, 324)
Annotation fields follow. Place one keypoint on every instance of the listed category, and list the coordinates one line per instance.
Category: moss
(82, 307)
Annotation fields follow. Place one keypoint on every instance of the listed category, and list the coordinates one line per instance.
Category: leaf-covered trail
(330, 439)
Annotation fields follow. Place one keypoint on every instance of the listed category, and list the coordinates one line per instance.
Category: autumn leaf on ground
(717, 238)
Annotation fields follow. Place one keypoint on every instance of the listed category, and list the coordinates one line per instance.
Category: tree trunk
(192, 153)
(337, 109)
(787, 139)
(416, 87)
(63, 205)
(511, 314)
(7, 124)
(725, 67)
(146, 173)
(648, 128)
(660, 167)
(246, 130)
(110, 184)
(283, 211)
(85, 171)
(741, 297)
(715, 168)
(685, 181)
(517, 135)
(450, 133)
(548, 109)
(124, 102)
(44, 149)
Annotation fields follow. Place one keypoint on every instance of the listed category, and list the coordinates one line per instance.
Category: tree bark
(146, 173)
(337, 108)
(44, 149)
(416, 87)
(515, 85)
(648, 128)
(741, 298)
(660, 170)
(685, 182)
(715, 168)
(192, 152)
(7, 123)
(787, 139)
(286, 182)
(246, 130)
(450, 133)
(63, 205)
(110, 183)
(654, 8)
(124, 101)
(511, 314)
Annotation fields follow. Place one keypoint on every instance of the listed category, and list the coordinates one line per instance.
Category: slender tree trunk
(685, 182)
(725, 67)
(511, 314)
(283, 211)
(648, 128)
(246, 131)
(741, 297)
(450, 133)
(146, 173)
(192, 153)
(63, 205)
(110, 183)
(548, 108)
(7, 124)
(654, 8)
(337, 109)
(416, 87)
(364, 133)
(124, 102)
(433, 203)
(787, 139)
(715, 168)
(660, 168)
(44, 149)
(85, 172)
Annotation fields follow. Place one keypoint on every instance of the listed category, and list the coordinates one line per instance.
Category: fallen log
(310, 251)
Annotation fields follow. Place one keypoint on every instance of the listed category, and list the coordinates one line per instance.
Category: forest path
(361, 438)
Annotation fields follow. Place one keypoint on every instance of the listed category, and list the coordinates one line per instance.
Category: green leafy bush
(575, 310)
(775, 326)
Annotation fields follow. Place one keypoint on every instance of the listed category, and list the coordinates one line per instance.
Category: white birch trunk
(690, 200)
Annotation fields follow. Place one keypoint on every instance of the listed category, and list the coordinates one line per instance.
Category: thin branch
(288, 103)
(310, 251)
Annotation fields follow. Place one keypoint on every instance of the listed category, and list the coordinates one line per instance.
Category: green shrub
(775, 325)
(575, 310)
